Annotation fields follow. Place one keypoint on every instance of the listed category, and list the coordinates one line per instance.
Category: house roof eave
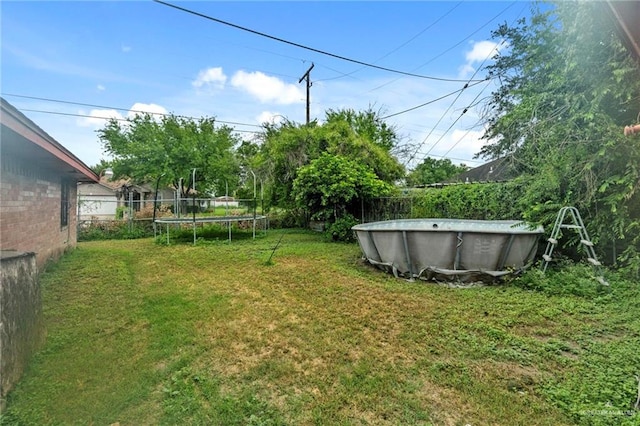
(16, 121)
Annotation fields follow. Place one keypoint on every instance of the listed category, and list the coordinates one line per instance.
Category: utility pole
(307, 77)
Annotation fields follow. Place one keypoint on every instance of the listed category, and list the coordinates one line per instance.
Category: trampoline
(210, 219)
(194, 220)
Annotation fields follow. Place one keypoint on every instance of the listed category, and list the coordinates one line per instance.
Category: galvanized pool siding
(448, 248)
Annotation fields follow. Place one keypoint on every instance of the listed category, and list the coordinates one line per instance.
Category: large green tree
(432, 170)
(329, 186)
(567, 88)
(362, 137)
(144, 148)
(367, 124)
(284, 148)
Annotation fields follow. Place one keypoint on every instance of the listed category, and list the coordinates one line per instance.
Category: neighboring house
(96, 201)
(499, 170)
(100, 200)
(38, 179)
(494, 171)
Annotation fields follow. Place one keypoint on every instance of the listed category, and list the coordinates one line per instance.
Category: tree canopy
(330, 184)
(567, 88)
(144, 148)
(432, 170)
(361, 137)
(366, 124)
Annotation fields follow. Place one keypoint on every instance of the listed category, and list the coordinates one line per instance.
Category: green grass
(144, 333)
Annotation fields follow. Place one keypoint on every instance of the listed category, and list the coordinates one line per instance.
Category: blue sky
(119, 56)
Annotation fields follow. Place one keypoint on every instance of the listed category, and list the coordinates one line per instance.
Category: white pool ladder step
(577, 224)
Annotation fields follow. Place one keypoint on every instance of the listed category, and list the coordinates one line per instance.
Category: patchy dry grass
(140, 333)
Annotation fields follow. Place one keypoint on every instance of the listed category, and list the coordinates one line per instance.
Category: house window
(64, 203)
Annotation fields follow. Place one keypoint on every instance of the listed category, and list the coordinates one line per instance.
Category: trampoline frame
(210, 219)
(207, 219)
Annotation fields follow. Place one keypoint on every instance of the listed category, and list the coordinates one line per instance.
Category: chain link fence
(134, 217)
(388, 208)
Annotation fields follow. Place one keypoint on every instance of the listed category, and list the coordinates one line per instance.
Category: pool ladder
(576, 224)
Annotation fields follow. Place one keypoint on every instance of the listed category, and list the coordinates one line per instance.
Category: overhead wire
(467, 107)
(121, 109)
(104, 118)
(466, 86)
(401, 46)
(436, 125)
(312, 49)
(459, 140)
(464, 111)
(452, 47)
(466, 160)
(459, 92)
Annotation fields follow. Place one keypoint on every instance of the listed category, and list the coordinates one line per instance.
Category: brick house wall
(38, 180)
(34, 216)
(38, 187)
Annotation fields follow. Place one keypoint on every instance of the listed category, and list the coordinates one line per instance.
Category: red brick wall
(30, 205)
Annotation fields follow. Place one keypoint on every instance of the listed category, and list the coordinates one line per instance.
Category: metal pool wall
(449, 249)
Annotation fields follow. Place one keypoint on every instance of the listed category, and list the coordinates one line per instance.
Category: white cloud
(101, 88)
(266, 88)
(210, 77)
(97, 117)
(126, 49)
(482, 50)
(139, 108)
(269, 117)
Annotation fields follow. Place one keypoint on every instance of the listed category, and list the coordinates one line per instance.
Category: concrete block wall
(21, 324)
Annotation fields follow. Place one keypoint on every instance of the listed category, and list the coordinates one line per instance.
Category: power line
(121, 109)
(454, 46)
(322, 52)
(466, 86)
(454, 101)
(466, 160)
(436, 125)
(423, 31)
(460, 116)
(472, 102)
(104, 118)
(399, 47)
(461, 138)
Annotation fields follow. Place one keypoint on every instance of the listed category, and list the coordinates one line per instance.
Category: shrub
(120, 212)
(114, 230)
(340, 230)
(146, 212)
(494, 201)
(290, 218)
(569, 279)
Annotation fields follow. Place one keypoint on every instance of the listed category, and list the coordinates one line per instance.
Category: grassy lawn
(143, 333)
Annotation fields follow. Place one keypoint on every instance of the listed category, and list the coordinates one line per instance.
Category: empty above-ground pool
(449, 249)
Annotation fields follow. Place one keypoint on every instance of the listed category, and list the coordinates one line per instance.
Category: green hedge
(114, 230)
(490, 201)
